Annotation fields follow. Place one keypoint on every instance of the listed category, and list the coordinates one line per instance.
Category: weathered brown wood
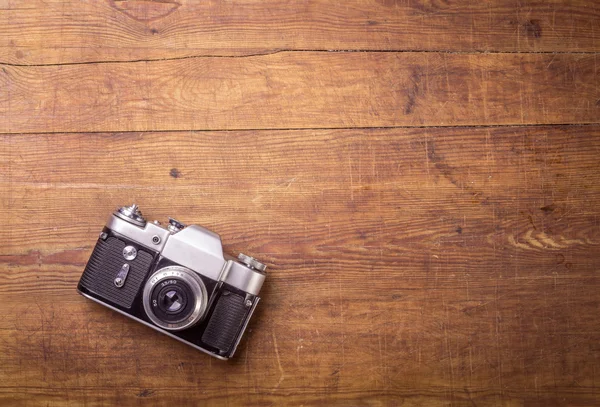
(427, 266)
(302, 90)
(409, 265)
(56, 31)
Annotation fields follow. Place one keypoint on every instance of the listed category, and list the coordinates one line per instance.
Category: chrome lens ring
(165, 276)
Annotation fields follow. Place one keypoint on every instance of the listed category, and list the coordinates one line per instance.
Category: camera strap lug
(248, 301)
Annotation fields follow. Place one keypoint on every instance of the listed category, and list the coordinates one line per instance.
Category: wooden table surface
(421, 177)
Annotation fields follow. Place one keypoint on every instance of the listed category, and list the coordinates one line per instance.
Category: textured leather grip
(104, 265)
(226, 321)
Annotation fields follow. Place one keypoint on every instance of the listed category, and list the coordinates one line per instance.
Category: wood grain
(302, 90)
(422, 178)
(425, 266)
(56, 31)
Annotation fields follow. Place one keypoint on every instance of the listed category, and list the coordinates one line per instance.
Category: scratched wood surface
(427, 206)
(302, 90)
(57, 32)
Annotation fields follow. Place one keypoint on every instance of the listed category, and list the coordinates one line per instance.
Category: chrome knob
(174, 226)
(131, 214)
(252, 262)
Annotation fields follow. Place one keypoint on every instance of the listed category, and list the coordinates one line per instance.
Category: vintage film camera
(175, 279)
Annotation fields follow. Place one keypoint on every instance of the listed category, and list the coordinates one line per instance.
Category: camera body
(175, 280)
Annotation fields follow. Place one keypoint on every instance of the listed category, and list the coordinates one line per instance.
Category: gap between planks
(281, 51)
(241, 130)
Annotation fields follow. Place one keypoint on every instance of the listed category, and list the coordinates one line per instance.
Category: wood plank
(428, 265)
(302, 90)
(55, 31)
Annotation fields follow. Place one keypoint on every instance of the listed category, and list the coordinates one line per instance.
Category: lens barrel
(175, 298)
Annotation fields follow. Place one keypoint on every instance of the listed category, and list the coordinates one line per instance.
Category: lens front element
(172, 301)
(175, 298)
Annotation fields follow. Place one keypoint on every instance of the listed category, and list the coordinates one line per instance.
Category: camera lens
(174, 298)
(172, 301)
